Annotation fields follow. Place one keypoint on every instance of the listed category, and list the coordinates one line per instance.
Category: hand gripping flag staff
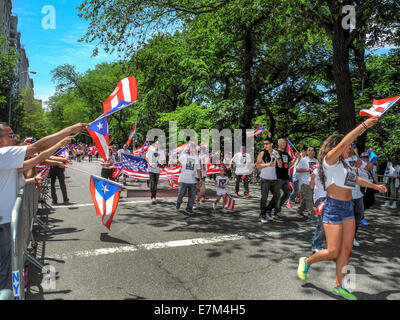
(379, 107)
(98, 130)
(105, 197)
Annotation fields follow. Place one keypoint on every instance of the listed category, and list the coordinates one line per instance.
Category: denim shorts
(335, 211)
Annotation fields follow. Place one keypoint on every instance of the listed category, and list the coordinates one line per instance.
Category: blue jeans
(358, 210)
(295, 191)
(5, 256)
(319, 234)
(191, 187)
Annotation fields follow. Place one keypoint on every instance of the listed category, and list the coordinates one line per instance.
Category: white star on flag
(104, 188)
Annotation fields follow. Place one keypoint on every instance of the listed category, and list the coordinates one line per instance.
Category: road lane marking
(175, 243)
(92, 205)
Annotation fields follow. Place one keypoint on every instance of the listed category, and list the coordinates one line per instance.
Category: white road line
(174, 244)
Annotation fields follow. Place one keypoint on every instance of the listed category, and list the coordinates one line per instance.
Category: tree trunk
(341, 74)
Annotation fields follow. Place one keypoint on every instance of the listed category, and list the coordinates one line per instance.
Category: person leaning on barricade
(12, 164)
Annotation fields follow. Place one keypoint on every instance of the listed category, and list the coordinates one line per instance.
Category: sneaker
(214, 206)
(177, 206)
(302, 269)
(364, 222)
(356, 243)
(386, 204)
(263, 219)
(247, 195)
(289, 206)
(393, 206)
(196, 205)
(316, 248)
(341, 291)
(202, 199)
(270, 218)
(189, 212)
(236, 194)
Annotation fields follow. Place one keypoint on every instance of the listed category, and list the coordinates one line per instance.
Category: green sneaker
(341, 291)
(303, 268)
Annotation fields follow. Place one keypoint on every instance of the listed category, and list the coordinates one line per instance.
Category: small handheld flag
(143, 148)
(98, 130)
(289, 149)
(256, 132)
(63, 153)
(320, 208)
(379, 107)
(132, 134)
(372, 156)
(229, 202)
(123, 95)
(105, 197)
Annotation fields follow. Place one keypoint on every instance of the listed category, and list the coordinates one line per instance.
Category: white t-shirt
(204, 159)
(190, 165)
(294, 175)
(242, 162)
(337, 174)
(305, 163)
(319, 191)
(155, 157)
(11, 159)
(356, 192)
(127, 151)
(269, 173)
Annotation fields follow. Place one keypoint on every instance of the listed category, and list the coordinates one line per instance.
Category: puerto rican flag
(132, 135)
(118, 169)
(98, 130)
(63, 153)
(289, 149)
(178, 149)
(256, 132)
(105, 197)
(143, 148)
(319, 209)
(229, 202)
(44, 173)
(123, 95)
(379, 107)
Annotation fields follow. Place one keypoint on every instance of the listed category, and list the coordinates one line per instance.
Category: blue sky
(47, 49)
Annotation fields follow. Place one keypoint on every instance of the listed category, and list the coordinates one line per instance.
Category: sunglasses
(11, 135)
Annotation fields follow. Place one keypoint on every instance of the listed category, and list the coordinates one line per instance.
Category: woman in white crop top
(338, 213)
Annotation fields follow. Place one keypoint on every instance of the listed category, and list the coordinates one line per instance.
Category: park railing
(22, 219)
(393, 187)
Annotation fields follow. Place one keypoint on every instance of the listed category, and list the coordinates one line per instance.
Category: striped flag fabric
(256, 132)
(320, 208)
(105, 195)
(123, 95)
(98, 130)
(44, 173)
(229, 202)
(132, 134)
(178, 149)
(143, 148)
(379, 107)
(63, 153)
(212, 169)
(289, 149)
(135, 167)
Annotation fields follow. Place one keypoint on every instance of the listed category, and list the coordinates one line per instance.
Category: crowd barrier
(392, 184)
(22, 219)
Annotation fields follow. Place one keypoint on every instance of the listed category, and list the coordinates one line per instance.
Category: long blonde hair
(330, 143)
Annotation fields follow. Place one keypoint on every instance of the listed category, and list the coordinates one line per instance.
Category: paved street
(156, 252)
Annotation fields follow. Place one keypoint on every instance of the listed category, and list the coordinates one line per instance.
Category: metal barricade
(392, 184)
(22, 218)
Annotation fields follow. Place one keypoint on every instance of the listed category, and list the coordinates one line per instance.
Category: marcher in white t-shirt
(201, 190)
(242, 161)
(391, 179)
(221, 181)
(191, 170)
(155, 157)
(303, 171)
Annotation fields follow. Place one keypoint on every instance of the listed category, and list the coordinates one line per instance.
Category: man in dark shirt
(282, 175)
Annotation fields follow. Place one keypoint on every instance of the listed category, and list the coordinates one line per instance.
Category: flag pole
(97, 177)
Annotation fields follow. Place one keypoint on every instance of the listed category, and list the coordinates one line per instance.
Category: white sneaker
(386, 204)
(356, 243)
(263, 219)
(393, 206)
(214, 206)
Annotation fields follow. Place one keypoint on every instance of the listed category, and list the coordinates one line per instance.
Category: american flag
(135, 167)
(229, 202)
(256, 132)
